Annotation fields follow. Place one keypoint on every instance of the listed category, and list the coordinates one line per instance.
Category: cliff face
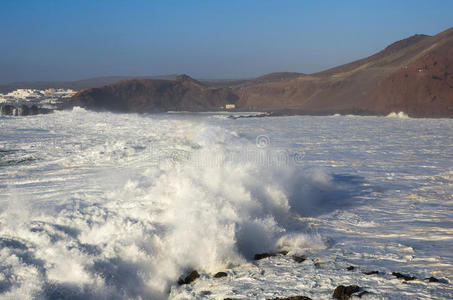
(414, 75)
(147, 95)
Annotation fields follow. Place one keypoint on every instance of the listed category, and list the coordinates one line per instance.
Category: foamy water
(113, 206)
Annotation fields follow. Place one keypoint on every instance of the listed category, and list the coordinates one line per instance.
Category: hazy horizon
(56, 41)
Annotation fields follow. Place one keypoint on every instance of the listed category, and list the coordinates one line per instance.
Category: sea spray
(131, 209)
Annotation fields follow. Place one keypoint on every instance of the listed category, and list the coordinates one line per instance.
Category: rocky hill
(155, 95)
(413, 75)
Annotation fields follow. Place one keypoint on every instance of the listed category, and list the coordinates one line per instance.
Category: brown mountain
(414, 75)
(155, 95)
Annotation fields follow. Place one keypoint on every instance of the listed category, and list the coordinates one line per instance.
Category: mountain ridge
(413, 75)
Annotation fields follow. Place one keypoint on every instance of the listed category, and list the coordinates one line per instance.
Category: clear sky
(68, 40)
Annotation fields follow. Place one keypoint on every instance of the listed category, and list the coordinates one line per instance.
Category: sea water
(120, 206)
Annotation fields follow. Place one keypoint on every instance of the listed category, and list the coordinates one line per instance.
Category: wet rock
(7, 110)
(189, 278)
(403, 276)
(371, 273)
(34, 110)
(344, 292)
(300, 258)
(44, 111)
(263, 255)
(266, 255)
(434, 279)
(317, 265)
(250, 116)
(350, 268)
(23, 110)
(220, 275)
(292, 298)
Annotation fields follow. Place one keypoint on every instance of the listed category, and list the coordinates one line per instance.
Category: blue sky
(68, 40)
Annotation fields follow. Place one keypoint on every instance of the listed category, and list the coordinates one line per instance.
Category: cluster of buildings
(25, 102)
(34, 96)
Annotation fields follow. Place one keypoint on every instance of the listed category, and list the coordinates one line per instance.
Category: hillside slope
(412, 75)
(148, 95)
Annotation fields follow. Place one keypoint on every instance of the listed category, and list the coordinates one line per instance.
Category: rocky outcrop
(220, 275)
(193, 275)
(23, 110)
(149, 95)
(403, 276)
(344, 292)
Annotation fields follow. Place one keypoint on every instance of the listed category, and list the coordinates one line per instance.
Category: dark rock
(24, 110)
(371, 273)
(317, 265)
(44, 111)
(250, 116)
(402, 276)
(220, 275)
(350, 268)
(344, 292)
(7, 110)
(266, 255)
(189, 278)
(300, 258)
(34, 110)
(263, 255)
(292, 298)
(434, 279)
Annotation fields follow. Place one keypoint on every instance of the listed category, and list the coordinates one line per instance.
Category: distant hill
(155, 95)
(414, 75)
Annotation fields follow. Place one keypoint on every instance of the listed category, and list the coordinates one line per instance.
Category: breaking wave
(136, 209)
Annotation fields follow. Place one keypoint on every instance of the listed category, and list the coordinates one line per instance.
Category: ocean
(122, 206)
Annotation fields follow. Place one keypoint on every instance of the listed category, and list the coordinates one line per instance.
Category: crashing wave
(179, 195)
(400, 115)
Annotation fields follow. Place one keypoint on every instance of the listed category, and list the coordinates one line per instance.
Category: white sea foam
(400, 115)
(150, 222)
(115, 206)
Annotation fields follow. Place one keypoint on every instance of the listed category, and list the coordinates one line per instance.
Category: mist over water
(112, 206)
